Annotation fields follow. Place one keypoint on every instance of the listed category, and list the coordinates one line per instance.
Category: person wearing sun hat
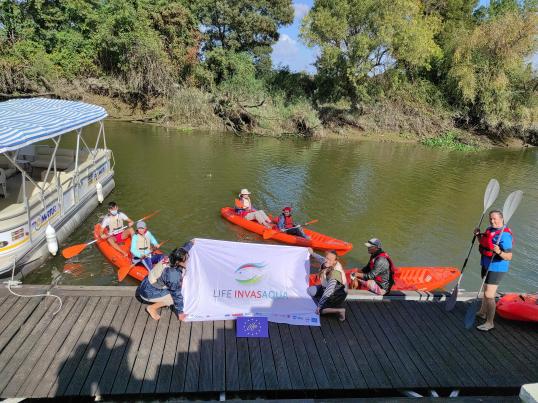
(244, 208)
(378, 275)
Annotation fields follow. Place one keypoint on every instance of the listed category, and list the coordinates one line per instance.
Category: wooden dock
(103, 343)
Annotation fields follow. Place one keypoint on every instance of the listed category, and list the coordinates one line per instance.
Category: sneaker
(485, 327)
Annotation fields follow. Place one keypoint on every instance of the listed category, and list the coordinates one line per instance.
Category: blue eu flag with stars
(252, 327)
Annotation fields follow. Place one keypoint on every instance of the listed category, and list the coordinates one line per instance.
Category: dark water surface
(422, 203)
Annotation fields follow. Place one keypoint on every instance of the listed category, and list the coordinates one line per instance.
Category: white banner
(225, 280)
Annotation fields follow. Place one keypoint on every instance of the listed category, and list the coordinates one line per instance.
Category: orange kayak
(413, 278)
(522, 307)
(116, 258)
(316, 241)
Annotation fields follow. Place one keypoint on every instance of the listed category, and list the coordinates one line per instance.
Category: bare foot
(181, 316)
(152, 313)
(342, 315)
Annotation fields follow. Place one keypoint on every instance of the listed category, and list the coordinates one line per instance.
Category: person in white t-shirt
(113, 228)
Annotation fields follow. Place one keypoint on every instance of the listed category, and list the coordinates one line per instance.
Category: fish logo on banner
(249, 273)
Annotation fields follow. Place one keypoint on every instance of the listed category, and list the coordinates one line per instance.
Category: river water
(422, 203)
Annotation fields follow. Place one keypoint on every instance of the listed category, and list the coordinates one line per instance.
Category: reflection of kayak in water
(522, 307)
(116, 258)
(412, 278)
(316, 241)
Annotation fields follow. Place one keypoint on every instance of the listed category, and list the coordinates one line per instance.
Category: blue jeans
(149, 261)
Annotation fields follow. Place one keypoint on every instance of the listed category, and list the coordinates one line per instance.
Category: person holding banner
(162, 286)
(331, 294)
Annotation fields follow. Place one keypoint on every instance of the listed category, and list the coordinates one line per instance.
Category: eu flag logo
(252, 327)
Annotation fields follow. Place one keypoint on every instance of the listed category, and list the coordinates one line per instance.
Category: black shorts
(493, 277)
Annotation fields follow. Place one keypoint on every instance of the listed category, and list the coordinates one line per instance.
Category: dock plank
(157, 350)
(91, 385)
(12, 321)
(121, 345)
(205, 379)
(243, 364)
(193, 364)
(91, 349)
(36, 350)
(39, 369)
(219, 356)
(6, 303)
(164, 379)
(284, 380)
(182, 358)
(107, 345)
(14, 352)
(232, 370)
(50, 377)
(142, 356)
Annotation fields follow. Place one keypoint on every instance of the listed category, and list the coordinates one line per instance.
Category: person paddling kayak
(162, 285)
(331, 294)
(244, 208)
(113, 224)
(286, 224)
(378, 275)
(496, 256)
(142, 245)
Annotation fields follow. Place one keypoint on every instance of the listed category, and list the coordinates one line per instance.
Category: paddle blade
(269, 233)
(491, 193)
(74, 250)
(470, 315)
(452, 298)
(123, 271)
(511, 204)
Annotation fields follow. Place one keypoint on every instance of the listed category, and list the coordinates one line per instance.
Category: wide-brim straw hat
(244, 192)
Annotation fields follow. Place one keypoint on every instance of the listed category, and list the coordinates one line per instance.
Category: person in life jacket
(495, 246)
(113, 228)
(244, 208)
(378, 275)
(162, 286)
(142, 244)
(286, 224)
(330, 295)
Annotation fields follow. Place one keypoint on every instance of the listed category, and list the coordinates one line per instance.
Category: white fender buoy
(52, 242)
(99, 189)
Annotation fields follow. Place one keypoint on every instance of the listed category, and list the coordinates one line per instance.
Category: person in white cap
(244, 208)
(378, 275)
(142, 245)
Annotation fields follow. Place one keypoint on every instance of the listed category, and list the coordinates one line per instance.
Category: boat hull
(317, 241)
(520, 307)
(412, 278)
(137, 272)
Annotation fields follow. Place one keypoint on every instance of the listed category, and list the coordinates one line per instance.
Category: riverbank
(389, 121)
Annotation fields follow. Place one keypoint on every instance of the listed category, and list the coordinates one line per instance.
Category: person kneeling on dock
(378, 275)
(286, 224)
(162, 285)
(244, 208)
(142, 246)
(116, 231)
(331, 294)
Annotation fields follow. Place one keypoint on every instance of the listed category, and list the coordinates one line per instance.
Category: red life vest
(240, 208)
(371, 265)
(288, 221)
(486, 240)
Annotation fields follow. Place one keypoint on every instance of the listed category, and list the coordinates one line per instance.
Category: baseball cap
(373, 242)
(141, 224)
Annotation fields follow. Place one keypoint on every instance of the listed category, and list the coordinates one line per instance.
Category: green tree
(361, 38)
(243, 25)
(490, 75)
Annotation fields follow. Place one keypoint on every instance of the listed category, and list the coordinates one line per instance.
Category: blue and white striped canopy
(27, 121)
